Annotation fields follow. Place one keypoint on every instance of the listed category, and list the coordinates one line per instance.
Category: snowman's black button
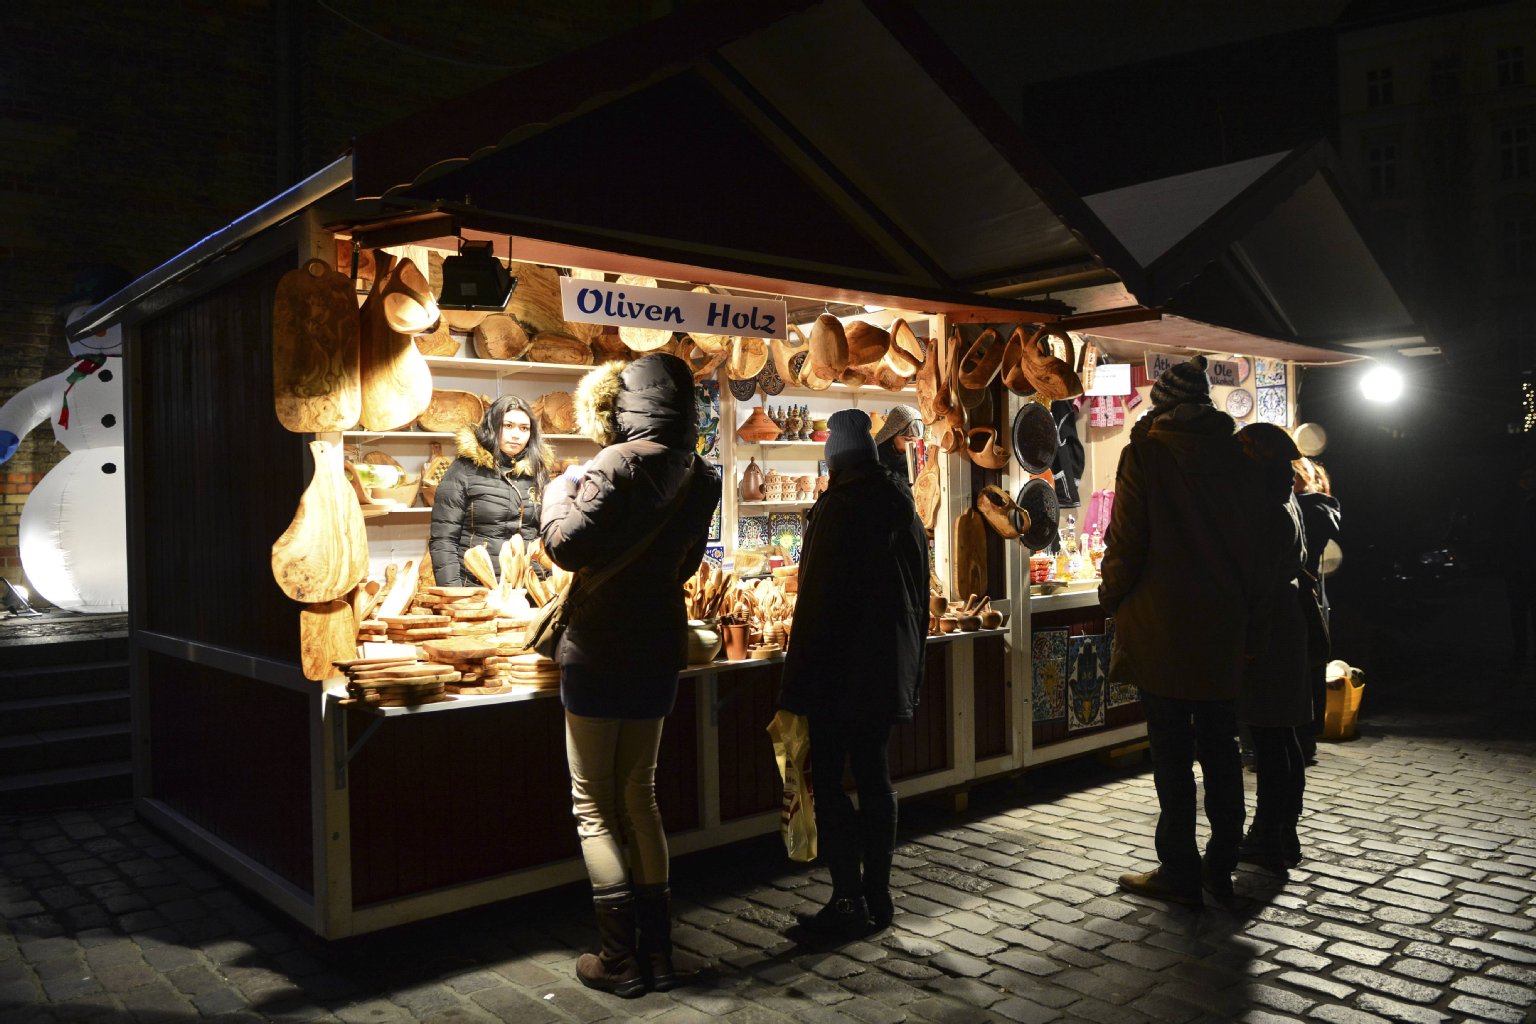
(109, 420)
(109, 468)
(104, 376)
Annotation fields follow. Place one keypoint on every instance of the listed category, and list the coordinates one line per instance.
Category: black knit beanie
(849, 441)
(1180, 383)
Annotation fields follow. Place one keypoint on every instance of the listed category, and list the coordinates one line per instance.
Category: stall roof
(1268, 247)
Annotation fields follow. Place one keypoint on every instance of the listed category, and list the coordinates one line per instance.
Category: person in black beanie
(1180, 550)
(855, 665)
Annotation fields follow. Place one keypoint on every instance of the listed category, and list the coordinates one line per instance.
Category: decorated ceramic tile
(707, 397)
(1121, 693)
(1085, 682)
(1272, 406)
(714, 522)
(752, 532)
(784, 529)
(1049, 685)
(714, 554)
(1268, 373)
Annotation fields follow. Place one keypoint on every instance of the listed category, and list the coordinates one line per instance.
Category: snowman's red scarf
(83, 369)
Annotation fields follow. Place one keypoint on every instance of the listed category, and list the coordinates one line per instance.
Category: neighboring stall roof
(1267, 247)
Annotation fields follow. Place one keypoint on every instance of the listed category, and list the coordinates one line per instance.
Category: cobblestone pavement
(1417, 902)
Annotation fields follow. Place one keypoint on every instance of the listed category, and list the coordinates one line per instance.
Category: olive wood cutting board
(396, 381)
(324, 552)
(327, 633)
(970, 568)
(316, 382)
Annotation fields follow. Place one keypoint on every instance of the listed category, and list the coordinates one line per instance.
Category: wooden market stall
(754, 152)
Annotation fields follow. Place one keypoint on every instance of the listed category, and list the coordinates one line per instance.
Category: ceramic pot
(703, 642)
(752, 482)
(758, 427)
(736, 637)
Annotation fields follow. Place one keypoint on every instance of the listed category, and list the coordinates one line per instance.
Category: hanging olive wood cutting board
(327, 633)
(970, 568)
(324, 552)
(316, 384)
(396, 383)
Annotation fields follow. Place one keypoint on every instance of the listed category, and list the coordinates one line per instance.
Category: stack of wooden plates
(396, 682)
(372, 631)
(468, 609)
(415, 628)
(481, 670)
(533, 670)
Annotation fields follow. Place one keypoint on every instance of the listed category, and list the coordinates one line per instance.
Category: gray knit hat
(902, 419)
(1180, 383)
(849, 441)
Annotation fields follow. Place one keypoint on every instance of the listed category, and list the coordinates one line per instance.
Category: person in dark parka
(625, 643)
(1321, 521)
(1180, 556)
(855, 666)
(491, 492)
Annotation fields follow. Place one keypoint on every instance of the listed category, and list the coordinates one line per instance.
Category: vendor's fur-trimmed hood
(650, 399)
(470, 450)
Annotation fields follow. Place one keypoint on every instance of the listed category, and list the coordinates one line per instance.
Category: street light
(1382, 384)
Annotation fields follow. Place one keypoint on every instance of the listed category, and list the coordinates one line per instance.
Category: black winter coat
(856, 648)
(1320, 520)
(480, 500)
(644, 413)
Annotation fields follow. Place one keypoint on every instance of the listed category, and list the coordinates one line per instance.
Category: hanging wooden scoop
(324, 552)
(397, 384)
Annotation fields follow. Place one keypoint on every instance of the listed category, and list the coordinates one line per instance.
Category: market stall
(278, 519)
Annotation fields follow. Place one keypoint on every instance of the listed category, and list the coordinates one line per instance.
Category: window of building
(1519, 245)
(1444, 78)
(1378, 87)
(1509, 65)
(1381, 169)
(1514, 145)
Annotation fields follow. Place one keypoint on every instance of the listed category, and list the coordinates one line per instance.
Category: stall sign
(1110, 379)
(667, 309)
(1226, 373)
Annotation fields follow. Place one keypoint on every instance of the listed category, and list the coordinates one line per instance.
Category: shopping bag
(791, 736)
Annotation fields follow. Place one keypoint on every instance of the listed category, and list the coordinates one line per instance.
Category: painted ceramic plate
(1239, 404)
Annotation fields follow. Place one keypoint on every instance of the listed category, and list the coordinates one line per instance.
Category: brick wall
(130, 131)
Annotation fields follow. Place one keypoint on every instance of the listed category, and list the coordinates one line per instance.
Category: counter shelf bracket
(343, 753)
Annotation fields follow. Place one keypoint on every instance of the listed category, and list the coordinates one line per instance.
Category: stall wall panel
(453, 797)
(1080, 622)
(992, 698)
(749, 776)
(218, 477)
(922, 745)
(232, 755)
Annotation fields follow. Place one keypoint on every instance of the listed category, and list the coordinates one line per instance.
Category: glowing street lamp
(1382, 384)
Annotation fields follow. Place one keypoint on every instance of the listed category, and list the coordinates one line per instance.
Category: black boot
(877, 834)
(654, 913)
(845, 916)
(614, 968)
(1261, 846)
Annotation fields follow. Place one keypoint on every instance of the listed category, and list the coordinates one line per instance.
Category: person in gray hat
(903, 425)
(855, 665)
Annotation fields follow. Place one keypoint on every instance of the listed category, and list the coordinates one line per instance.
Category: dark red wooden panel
(993, 698)
(749, 777)
(922, 745)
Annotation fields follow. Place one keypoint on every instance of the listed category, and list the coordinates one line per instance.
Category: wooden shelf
(786, 444)
(775, 504)
(396, 436)
(507, 367)
(399, 517)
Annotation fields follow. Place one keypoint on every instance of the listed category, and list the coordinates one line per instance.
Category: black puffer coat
(856, 649)
(644, 415)
(480, 500)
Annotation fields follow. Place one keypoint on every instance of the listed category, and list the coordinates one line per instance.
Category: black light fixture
(15, 599)
(476, 279)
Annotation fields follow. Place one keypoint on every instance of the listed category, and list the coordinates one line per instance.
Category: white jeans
(613, 796)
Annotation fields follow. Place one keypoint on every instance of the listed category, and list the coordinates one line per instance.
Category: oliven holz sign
(667, 309)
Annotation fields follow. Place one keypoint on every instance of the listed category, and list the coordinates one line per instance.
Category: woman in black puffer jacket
(491, 491)
(625, 643)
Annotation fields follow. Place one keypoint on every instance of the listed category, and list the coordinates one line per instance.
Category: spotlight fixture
(1382, 384)
(15, 599)
(475, 279)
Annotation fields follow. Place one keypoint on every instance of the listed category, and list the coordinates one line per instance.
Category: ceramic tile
(1048, 688)
(1269, 373)
(1085, 683)
(752, 532)
(784, 529)
(1272, 405)
(714, 554)
(706, 397)
(1120, 693)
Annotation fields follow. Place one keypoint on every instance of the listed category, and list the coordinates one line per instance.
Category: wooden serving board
(970, 566)
(316, 382)
(327, 634)
(324, 552)
(396, 382)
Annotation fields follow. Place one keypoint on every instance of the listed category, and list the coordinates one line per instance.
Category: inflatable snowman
(74, 523)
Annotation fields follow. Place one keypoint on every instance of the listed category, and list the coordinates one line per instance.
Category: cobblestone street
(1416, 902)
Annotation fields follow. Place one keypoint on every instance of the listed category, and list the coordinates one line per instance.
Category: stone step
(73, 747)
(65, 787)
(51, 680)
(65, 711)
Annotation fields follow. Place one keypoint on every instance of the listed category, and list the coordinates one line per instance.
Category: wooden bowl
(403, 494)
(969, 623)
(948, 623)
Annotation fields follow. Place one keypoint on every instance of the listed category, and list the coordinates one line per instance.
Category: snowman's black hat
(95, 282)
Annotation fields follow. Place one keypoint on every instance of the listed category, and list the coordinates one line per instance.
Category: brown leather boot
(614, 967)
(653, 911)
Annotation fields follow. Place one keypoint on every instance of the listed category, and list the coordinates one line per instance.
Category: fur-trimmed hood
(650, 399)
(471, 450)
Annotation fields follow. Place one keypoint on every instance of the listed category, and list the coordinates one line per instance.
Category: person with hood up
(903, 425)
(1274, 702)
(491, 491)
(625, 642)
(854, 666)
(1320, 521)
(1180, 553)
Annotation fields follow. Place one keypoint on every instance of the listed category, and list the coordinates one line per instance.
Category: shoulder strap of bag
(612, 569)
